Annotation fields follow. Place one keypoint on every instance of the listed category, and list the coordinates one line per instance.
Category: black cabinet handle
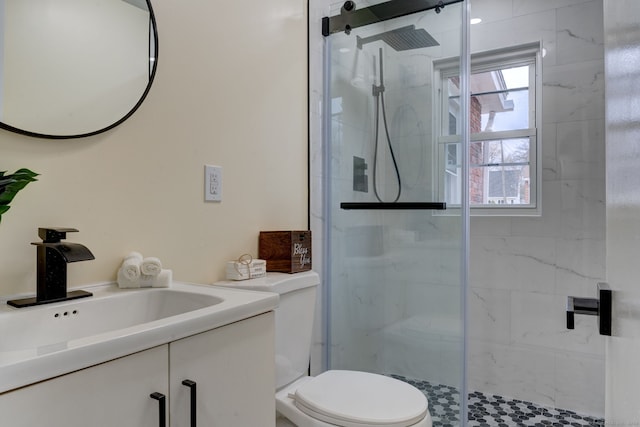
(192, 386)
(162, 408)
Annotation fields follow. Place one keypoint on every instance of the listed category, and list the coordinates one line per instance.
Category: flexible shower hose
(378, 93)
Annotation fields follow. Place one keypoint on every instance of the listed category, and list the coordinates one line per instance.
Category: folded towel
(164, 279)
(134, 254)
(125, 282)
(131, 267)
(146, 280)
(150, 266)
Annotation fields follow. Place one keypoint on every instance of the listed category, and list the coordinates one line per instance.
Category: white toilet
(333, 398)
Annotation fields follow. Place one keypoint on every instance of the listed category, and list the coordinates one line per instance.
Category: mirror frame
(154, 27)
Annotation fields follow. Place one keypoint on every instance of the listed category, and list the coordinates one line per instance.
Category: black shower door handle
(601, 307)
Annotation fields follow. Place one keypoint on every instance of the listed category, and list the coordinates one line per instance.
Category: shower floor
(490, 410)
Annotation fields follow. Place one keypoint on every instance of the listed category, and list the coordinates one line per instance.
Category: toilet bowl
(352, 399)
(335, 397)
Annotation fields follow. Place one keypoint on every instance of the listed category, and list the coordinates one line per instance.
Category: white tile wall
(540, 261)
(573, 92)
(528, 372)
(580, 33)
(490, 311)
(581, 150)
(579, 382)
(526, 7)
(522, 269)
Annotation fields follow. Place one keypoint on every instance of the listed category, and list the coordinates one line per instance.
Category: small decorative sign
(286, 251)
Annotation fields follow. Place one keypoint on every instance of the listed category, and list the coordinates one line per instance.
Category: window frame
(520, 55)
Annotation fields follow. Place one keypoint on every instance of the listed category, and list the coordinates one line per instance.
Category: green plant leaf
(6, 181)
(26, 172)
(11, 184)
(7, 196)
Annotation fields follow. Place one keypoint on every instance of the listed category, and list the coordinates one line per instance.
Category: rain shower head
(405, 38)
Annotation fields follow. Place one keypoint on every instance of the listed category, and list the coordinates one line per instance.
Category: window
(504, 151)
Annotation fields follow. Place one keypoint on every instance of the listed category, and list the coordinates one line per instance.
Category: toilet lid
(357, 399)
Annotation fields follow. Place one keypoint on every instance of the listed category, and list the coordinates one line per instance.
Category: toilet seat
(358, 399)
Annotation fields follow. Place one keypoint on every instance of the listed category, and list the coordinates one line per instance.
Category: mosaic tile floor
(489, 410)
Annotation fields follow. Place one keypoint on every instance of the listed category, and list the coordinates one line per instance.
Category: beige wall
(231, 91)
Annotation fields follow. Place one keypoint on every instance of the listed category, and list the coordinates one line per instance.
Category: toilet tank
(294, 319)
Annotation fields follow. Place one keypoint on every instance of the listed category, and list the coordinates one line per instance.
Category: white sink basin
(45, 341)
(57, 324)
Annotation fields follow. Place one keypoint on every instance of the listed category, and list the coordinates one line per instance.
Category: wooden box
(285, 251)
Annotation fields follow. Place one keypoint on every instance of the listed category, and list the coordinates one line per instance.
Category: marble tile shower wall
(522, 269)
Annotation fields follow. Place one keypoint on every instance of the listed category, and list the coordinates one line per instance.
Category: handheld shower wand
(378, 95)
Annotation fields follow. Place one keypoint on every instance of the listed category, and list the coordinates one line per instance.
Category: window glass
(503, 139)
(505, 185)
(499, 172)
(502, 111)
(488, 153)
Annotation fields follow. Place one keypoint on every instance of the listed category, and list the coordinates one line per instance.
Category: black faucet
(53, 257)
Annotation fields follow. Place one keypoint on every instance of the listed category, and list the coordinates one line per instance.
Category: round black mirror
(74, 68)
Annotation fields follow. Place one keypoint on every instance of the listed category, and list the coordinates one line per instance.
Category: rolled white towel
(131, 267)
(164, 279)
(134, 254)
(151, 266)
(146, 280)
(125, 282)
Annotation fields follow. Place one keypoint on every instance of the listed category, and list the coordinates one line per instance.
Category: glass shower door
(395, 275)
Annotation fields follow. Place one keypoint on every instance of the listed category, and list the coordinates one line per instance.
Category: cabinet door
(234, 371)
(112, 394)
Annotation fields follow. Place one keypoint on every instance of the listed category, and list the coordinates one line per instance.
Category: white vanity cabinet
(231, 366)
(115, 393)
(233, 369)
